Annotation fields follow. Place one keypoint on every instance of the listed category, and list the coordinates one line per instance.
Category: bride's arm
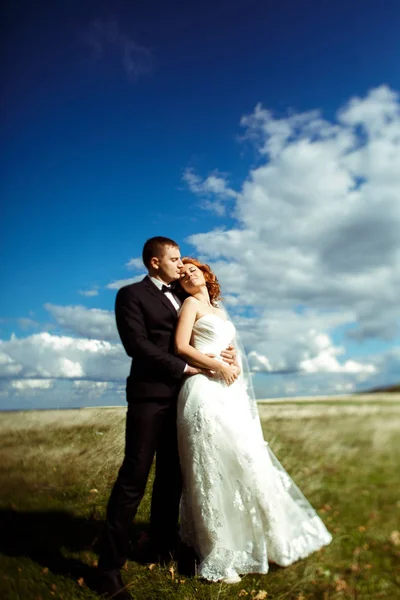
(187, 319)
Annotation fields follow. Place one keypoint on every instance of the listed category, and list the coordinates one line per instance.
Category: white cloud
(315, 249)
(377, 111)
(97, 390)
(383, 370)
(32, 384)
(8, 366)
(88, 322)
(284, 341)
(89, 293)
(135, 263)
(57, 393)
(71, 368)
(45, 370)
(214, 190)
(388, 363)
(119, 283)
(46, 356)
(325, 359)
(258, 362)
(302, 384)
(27, 323)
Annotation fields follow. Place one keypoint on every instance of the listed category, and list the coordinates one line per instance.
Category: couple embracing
(190, 404)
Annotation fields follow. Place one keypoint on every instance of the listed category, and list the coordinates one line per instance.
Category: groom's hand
(195, 371)
(229, 356)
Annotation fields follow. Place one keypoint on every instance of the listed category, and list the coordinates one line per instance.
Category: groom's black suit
(146, 321)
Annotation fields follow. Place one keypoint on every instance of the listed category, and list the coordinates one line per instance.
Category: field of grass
(57, 469)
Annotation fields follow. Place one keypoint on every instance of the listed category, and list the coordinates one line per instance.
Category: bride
(240, 510)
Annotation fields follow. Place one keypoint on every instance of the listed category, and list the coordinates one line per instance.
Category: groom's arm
(134, 337)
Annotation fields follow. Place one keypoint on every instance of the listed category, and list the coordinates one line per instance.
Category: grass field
(57, 469)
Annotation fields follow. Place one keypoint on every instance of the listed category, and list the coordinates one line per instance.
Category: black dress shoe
(153, 554)
(110, 585)
(187, 560)
(150, 551)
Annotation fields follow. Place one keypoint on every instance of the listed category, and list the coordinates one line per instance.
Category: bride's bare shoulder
(190, 300)
(190, 305)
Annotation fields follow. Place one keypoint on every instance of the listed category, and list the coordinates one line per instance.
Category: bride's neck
(204, 297)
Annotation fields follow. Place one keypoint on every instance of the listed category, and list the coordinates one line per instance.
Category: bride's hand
(228, 373)
(230, 356)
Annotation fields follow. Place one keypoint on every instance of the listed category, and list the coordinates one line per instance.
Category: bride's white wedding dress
(240, 510)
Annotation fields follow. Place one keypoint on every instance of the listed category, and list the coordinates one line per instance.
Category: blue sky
(121, 122)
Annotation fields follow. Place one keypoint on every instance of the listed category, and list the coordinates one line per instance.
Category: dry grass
(373, 398)
(57, 469)
(76, 448)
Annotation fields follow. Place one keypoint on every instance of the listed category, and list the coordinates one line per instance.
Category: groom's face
(170, 264)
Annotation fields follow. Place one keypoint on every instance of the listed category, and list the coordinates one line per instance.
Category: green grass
(57, 469)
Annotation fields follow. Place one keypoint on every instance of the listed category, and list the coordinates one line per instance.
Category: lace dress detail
(239, 508)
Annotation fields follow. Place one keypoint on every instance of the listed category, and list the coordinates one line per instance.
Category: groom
(146, 315)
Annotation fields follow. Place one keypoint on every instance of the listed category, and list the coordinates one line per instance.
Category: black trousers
(150, 430)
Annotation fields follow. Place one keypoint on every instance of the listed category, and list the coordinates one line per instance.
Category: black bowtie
(166, 288)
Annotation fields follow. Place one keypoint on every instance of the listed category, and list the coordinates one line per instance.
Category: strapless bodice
(212, 334)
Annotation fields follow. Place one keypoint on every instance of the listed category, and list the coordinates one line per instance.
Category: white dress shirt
(176, 303)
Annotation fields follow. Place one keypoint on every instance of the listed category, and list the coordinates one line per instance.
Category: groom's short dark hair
(155, 247)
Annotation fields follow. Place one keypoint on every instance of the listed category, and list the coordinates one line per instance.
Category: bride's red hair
(212, 284)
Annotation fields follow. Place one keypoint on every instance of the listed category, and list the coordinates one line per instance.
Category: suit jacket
(146, 322)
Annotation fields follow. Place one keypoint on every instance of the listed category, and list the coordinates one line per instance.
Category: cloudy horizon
(297, 210)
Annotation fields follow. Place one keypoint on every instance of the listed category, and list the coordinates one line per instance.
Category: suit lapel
(153, 289)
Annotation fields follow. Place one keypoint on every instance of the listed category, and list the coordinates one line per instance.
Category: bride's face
(192, 278)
